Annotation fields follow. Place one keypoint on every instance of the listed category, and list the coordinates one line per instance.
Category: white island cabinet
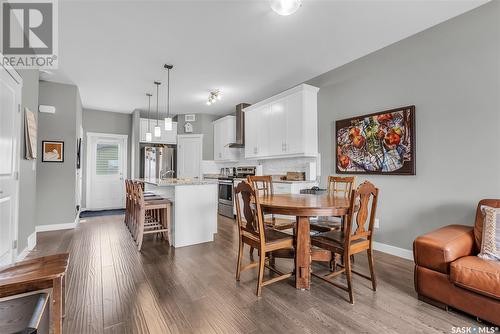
(194, 209)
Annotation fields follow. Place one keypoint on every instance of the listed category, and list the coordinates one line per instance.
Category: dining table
(303, 207)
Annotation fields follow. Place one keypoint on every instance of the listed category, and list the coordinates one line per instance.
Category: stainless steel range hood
(240, 126)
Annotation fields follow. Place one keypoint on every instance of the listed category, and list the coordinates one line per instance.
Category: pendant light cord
(168, 92)
(157, 93)
(149, 110)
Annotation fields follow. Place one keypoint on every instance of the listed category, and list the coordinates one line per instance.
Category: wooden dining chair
(263, 186)
(338, 186)
(349, 243)
(252, 232)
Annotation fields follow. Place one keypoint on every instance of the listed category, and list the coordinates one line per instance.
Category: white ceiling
(114, 50)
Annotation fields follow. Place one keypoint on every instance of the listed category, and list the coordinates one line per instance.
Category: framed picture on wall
(52, 151)
(78, 153)
(379, 143)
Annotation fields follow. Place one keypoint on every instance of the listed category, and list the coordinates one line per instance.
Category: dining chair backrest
(362, 211)
(341, 185)
(249, 213)
(263, 185)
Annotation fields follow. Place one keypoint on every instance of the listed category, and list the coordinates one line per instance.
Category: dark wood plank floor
(114, 289)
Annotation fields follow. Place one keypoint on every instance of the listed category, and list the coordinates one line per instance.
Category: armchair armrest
(437, 249)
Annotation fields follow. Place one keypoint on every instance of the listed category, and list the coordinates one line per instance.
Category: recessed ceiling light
(285, 7)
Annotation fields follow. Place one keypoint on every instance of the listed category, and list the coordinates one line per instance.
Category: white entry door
(10, 129)
(106, 171)
(189, 155)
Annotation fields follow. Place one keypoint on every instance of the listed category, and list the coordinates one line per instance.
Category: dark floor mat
(87, 214)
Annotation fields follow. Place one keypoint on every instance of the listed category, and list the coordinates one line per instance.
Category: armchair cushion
(435, 250)
(476, 274)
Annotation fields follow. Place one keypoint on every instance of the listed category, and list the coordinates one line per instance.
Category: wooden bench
(47, 272)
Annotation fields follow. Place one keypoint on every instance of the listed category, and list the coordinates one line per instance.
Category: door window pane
(107, 162)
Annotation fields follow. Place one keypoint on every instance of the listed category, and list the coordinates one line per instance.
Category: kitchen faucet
(164, 173)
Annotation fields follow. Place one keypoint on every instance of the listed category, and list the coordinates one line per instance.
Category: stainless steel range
(226, 189)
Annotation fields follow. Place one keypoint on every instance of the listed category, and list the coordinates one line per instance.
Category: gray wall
(202, 125)
(135, 149)
(104, 122)
(56, 182)
(451, 73)
(27, 168)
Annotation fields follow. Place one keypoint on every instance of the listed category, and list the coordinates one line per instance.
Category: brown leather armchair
(448, 271)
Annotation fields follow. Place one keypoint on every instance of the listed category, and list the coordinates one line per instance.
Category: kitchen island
(194, 208)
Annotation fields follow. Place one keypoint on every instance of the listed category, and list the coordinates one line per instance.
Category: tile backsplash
(269, 166)
(281, 166)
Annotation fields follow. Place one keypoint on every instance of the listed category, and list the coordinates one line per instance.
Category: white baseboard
(396, 251)
(31, 245)
(32, 241)
(22, 255)
(56, 227)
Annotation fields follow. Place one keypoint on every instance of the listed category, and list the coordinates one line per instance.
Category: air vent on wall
(47, 109)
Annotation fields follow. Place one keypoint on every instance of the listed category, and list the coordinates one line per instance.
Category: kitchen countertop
(177, 182)
(211, 176)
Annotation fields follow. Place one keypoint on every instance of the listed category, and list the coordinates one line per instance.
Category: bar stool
(151, 215)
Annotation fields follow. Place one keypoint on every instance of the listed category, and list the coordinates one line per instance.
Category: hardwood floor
(114, 289)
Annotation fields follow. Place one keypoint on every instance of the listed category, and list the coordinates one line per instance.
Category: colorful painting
(379, 143)
(52, 151)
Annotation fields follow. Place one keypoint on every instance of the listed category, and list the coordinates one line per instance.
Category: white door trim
(18, 125)
(88, 166)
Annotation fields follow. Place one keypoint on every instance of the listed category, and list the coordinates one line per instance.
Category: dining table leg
(303, 254)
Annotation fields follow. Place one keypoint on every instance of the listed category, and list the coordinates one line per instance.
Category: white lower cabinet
(284, 125)
(292, 188)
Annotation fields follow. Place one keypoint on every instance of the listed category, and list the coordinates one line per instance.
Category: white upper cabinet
(167, 137)
(285, 125)
(225, 134)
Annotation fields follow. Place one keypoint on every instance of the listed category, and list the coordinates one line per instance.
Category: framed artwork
(78, 153)
(378, 143)
(52, 151)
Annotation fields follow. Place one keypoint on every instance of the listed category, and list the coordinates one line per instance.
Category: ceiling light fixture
(168, 119)
(214, 96)
(149, 137)
(285, 7)
(157, 127)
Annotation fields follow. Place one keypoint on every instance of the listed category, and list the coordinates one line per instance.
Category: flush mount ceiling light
(168, 119)
(157, 127)
(214, 96)
(149, 137)
(285, 7)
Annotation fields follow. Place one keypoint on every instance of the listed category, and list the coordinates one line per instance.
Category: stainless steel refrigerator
(159, 162)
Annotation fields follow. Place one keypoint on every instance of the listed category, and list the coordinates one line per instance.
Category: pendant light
(157, 127)
(149, 137)
(168, 119)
